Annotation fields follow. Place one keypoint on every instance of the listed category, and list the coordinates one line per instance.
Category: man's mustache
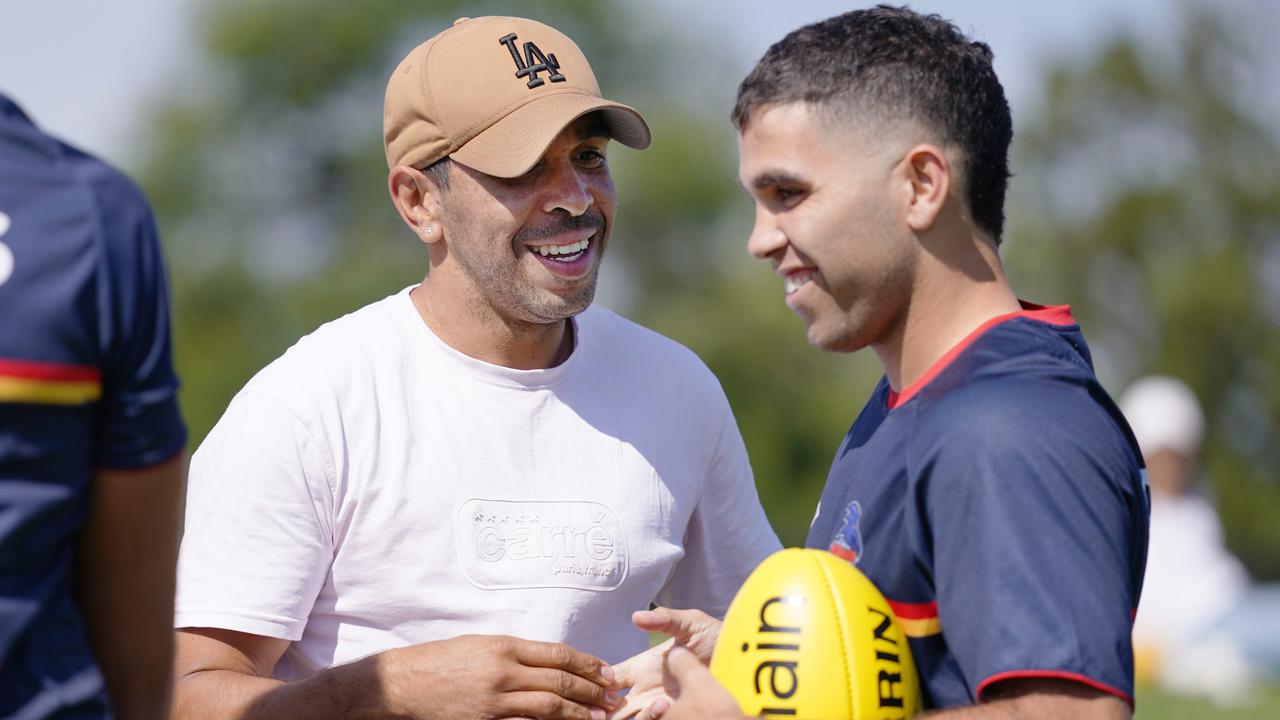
(592, 220)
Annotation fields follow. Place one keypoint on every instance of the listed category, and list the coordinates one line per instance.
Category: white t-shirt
(374, 488)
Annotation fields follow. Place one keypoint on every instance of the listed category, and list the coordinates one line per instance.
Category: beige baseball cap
(492, 93)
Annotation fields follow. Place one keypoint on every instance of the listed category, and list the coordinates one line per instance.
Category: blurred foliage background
(1147, 196)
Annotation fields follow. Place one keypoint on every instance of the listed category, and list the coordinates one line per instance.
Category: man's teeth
(570, 249)
(795, 281)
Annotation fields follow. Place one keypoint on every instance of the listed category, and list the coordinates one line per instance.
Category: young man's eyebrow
(773, 178)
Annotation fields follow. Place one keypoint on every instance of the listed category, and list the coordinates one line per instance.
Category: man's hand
(485, 676)
(698, 695)
(642, 673)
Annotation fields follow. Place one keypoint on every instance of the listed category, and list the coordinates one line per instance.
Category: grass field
(1156, 705)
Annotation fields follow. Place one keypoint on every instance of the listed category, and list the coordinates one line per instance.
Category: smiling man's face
(532, 245)
(830, 219)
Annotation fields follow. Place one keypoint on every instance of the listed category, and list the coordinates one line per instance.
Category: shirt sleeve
(728, 533)
(258, 540)
(138, 422)
(1033, 511)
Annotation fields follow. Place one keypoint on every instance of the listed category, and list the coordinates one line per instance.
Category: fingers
(563, 657)
(686, 669)
(626, 711)
(547, 706)
(655, 620)
(694, 628)
(656, 709)
(641, 665)
(680, 624)
(567, 685)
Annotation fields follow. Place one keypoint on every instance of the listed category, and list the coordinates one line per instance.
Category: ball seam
(845, 650)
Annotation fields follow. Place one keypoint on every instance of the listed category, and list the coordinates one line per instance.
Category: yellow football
(809, 636)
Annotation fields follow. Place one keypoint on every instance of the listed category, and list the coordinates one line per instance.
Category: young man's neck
(484, 335)
(956, 291)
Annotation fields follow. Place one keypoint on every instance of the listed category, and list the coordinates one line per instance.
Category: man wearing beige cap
(447, 503)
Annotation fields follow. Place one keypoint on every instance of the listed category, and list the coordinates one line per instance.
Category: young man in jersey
(91, 440)
(447, 503)
(989, 488)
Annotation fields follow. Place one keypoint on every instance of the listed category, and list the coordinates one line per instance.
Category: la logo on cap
(527, 67)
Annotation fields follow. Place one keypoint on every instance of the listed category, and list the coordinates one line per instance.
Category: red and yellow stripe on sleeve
(47, 383)
(918, 620)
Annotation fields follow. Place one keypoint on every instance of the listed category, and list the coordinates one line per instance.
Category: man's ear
(929, 178)
(418, 201)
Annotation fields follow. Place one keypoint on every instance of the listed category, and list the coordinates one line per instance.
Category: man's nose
(567, 190)
(766, 237)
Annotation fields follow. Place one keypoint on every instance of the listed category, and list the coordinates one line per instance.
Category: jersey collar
(1049, 314)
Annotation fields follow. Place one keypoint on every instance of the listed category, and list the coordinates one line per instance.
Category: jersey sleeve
(1033, 511)
(259, 490)
(138, 422)
(728, 534)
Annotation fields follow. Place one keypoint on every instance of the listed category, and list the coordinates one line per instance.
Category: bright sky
(89, 71)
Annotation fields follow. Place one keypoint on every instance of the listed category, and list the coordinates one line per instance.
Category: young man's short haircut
(889, 64)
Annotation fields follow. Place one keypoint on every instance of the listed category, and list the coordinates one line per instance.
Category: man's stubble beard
(513, 296)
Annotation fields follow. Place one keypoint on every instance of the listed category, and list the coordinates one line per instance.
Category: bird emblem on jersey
(848, 541)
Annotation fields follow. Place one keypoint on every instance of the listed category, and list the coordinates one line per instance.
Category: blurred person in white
(1202, 626)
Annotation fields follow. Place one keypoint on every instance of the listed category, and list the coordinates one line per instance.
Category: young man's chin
(833, 338)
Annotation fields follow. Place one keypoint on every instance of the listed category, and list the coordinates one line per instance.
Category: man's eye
(785, 195)
(592, 158)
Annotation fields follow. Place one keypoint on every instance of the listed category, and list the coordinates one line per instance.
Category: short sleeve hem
(279, 627)
(1053, 674)
(164, 450)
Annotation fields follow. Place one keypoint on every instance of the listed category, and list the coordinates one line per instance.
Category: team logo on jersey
(533, 62)
(6, 255)
(848, 541)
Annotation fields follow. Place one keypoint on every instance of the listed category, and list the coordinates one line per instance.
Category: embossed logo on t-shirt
(541, 543)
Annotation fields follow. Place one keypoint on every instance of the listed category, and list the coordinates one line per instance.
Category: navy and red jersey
(999, 504)
(86, 382)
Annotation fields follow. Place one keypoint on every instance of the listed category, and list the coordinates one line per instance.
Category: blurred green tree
(1148, 196)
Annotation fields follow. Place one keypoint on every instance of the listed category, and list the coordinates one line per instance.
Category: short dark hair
(898, 63)
(438, 171)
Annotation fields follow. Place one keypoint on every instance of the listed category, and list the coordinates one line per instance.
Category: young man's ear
(929, 178)
(417, 200)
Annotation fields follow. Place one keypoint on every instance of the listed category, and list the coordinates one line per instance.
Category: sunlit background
(1146, 195)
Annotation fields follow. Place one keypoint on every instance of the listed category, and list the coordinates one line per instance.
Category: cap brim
(514, 144)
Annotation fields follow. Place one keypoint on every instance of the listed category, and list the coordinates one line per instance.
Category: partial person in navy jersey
(989, 487)
(91, 440)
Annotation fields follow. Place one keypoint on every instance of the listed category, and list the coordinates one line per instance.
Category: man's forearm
(345, 691)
